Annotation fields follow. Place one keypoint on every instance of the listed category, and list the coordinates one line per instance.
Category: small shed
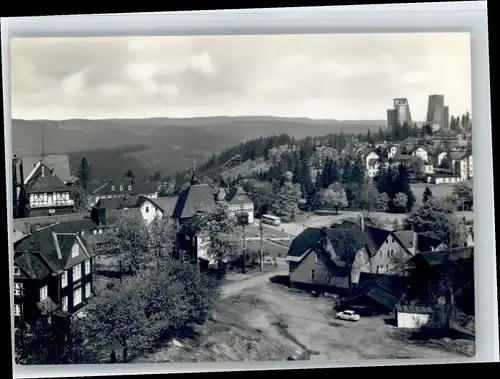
(412, 317)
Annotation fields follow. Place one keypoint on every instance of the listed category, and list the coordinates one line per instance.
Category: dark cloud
(238, 75)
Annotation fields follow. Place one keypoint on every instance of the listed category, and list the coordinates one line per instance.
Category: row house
(52, 275)
(316, 257)
(46, 194)
(120, 188)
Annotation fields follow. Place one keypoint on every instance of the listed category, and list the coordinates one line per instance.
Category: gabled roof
(358, 235)
(405, 238)
(458, 155)
(58, 162)
(110, 204)
(427, 243)
(166, 204)
(192, 199)
(23, 224)
(32, 265)
(434, 258)
(43, 180)
(114, 215)
(54, 249)
(376, 235)
(315, 237)
(238, 196)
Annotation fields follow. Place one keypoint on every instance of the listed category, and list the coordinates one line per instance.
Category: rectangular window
(18, 289)
(147, 209)
(318, 258)
(312, 275)
(44, 293)
(17, 310)
(17, 271)
(77, 272)
(74, 251)
(64, 279)
(64, 304)
(381, 254)
(87, 267)
(77, 296)
(88, 290)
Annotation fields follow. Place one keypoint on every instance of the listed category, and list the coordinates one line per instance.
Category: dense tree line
(394, 182)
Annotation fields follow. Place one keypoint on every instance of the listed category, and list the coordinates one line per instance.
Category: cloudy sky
(345, 77)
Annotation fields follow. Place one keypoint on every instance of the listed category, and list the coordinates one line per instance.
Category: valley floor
(268, 322)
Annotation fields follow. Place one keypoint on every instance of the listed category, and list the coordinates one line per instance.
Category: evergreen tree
(381, 134)
(369, 137)
(84, 173)
(405, 130)
(427, 194)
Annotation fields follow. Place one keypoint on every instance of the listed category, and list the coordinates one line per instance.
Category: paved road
(235, 288)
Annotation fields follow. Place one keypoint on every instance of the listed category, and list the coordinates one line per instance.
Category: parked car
(348, 316)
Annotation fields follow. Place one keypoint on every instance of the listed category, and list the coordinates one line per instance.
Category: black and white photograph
(242, 198)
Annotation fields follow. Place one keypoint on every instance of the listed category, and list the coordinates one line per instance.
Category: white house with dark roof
(46, 193)
(240, 204)
(159, 208)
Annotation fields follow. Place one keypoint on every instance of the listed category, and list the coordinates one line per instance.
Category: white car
(347, 315)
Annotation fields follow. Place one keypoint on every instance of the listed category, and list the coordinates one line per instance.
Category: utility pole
(244, 249)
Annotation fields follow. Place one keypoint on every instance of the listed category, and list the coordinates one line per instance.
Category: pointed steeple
(194, 180)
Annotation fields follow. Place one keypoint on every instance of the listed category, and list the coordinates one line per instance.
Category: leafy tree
(334, 197)
(128, 241)
(383, 201)
(368, 197)
(145, 308)
(464, 193)
(44, 343)
(84, 173)
(162, 235)
(261, 193)
(220, 228)
(286, 200)
(437, 216)
(427, 130)
(400, 201)
(427, 194)
(79, 196)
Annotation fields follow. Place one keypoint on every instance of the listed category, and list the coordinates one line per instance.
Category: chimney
(43, 170)
(53, 171)
(362, 223)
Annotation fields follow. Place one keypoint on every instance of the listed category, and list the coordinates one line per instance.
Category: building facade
(437, 113)
(399, 114)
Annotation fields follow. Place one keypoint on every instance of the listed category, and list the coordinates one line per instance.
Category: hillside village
(99, 263)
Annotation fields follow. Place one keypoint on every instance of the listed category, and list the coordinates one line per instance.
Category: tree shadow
(283, 280)
(428, 333)
(390, 321)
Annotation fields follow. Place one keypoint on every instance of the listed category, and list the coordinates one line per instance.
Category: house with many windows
(46, 194)
(52, 275)
(240, 205)
(120, 188)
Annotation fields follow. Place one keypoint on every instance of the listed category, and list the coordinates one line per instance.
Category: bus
(270, 219)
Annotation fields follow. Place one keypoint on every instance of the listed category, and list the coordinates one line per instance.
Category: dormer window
(112, 188)
(74, 251)
(121, 188)
(95, 231)
(129, 187)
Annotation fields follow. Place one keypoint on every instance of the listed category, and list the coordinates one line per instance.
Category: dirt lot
(268, 322)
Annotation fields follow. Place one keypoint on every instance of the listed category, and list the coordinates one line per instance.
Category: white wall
(411, 320)
(150, 211)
